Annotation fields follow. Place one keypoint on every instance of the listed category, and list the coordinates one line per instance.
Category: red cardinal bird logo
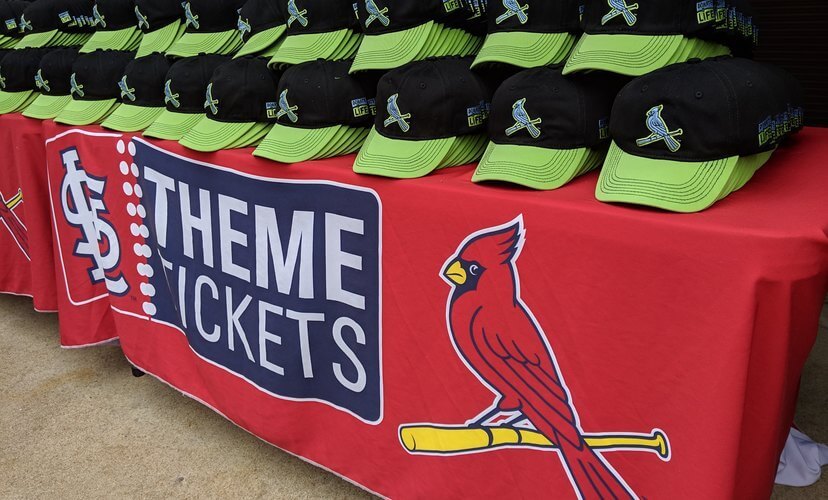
(501, 342)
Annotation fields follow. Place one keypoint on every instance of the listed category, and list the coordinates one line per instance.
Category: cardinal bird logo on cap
(376, 14)
(523, 121)
(75, 87)
(25, 24)
(126, 91)
(169, 97)
(513, 8)
(660, 131)
(620, 8)
(209, 102)
(41, 82)
(296, 14)
(285, 109)
(243, 26)
(395, 115)
(99, 20)
(501, 342)
(191, 19)
(143, 22)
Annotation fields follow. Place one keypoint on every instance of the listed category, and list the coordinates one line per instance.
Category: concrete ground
(76, 424)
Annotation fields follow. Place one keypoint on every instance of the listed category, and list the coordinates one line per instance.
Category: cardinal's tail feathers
(591, 476)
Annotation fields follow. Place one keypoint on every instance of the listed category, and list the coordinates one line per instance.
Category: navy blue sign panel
(276, 281)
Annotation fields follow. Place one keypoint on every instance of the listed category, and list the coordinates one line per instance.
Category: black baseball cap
(10, 12)
(547, 129)
(530, 33)
(52, 81)
(261, 24)
(317, 29)
(47, 23)
(241, 103)
(94, 86)
(115, 27)
(430, 114)
(161, 22)
(323, 112)
(142, 94)
(401, 31)
(636, 38)
(210, 27)
(17, 78)
(688, 135)
(184, 88)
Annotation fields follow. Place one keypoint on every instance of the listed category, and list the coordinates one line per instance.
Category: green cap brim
(160, 40)
(292, 145)
(523, 49)
(252, 138)
(673, 185)
(631, 55)
(193, 44)
(12, 102)
(46, 107)
(7, 42)
(124, 39)
(400, 159)
(209, 135)
(33, 40)
(131, 118)
(297, 49)
(78, 112)
(531, 166)
(261, 41)
(392, 50)
(172, 126)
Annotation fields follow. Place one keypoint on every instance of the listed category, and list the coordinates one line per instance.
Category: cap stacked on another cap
(94, 86)
(210, 28)
(687, 136)
(50, 23)
(160, 21)
(547, 129)
(53, 82)
(184, 88)
(10, 12)
(431, 114)
(142, 94)
(241, 103)
(115, 26)
(531, 33)
(261, 26)
(317, 29)
(636, 38)
(399, 32)
(323, 112)
(17, 78)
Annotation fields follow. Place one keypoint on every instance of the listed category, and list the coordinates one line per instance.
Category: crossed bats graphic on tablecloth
(18, 231)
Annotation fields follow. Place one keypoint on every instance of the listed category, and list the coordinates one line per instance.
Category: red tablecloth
(307, 305)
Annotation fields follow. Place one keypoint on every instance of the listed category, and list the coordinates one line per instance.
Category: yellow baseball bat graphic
(448, 440)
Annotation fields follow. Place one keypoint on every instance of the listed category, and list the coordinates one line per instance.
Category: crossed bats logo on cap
(523, 121)
(396, 116)
(192, 20)
(41, 82)
(210, 102)
(75, 87)
(514, 8)
(620, 8)
(376, 14)
(125, 90)
(296, 14)
(143, 22)
(286, 109)
(99, 19)
(660, 131)
(169, 97)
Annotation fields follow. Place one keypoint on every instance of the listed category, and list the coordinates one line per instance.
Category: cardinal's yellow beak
(456, 273)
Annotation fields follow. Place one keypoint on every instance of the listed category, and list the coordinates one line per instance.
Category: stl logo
(395, 115)
(513, 8)
(659, 131)
(523, 121)
(501, 342)
(81, 197)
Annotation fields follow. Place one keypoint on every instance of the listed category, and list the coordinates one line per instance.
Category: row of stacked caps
(293, 68)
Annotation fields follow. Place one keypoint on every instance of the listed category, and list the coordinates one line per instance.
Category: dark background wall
(793, 34)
